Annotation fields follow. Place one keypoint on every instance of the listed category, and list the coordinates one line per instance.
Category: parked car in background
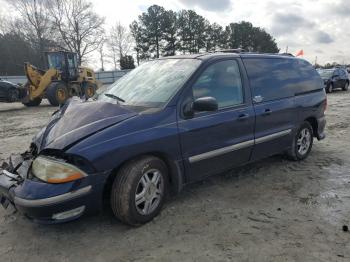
(335, 78)
(9, 92)
(167, 123)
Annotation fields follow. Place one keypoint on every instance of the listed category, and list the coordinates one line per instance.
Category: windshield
(326, 73)
(152, 84)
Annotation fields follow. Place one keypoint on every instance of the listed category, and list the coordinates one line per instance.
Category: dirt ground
(273, 210)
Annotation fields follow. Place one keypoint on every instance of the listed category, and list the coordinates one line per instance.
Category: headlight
(54, 171)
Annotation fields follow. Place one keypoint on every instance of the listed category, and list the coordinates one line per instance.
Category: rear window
(277, 78)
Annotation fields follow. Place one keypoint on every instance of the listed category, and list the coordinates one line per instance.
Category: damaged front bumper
(7, 182)
(12, 174)
(44, 202)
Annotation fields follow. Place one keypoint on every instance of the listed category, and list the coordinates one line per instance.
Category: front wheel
(302, 143)
(346, 86)
(139, 190)
(89, 90)
(31, 103)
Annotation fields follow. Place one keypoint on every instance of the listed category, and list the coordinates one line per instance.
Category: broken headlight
(54, 171)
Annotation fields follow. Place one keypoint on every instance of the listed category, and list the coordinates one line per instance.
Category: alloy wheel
(304, 141)
(149, 192)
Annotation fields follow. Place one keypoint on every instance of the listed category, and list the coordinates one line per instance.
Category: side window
(342, 73)
(222, 81)
(71, 65)
(278, 78)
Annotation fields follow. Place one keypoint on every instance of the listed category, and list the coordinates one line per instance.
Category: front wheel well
(175, 173)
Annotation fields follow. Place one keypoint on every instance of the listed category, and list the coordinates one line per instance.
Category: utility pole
(287, 50)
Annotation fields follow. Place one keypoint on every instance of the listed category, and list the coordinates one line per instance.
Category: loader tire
(25, 97)
(89, 90)
(57, 93)
(30, 103)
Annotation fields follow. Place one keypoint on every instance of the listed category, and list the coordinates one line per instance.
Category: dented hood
(77, 120)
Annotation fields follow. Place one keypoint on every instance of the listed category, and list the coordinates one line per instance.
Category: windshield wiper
(115, 97)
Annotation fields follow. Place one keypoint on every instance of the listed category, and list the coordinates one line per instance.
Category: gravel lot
(273, 210)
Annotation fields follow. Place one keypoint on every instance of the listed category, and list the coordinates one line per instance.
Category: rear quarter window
(277, 78)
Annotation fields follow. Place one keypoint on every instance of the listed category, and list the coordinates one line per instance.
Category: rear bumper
(52, 203)
(321, 124)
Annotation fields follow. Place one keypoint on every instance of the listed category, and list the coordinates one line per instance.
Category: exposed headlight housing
(54, 171)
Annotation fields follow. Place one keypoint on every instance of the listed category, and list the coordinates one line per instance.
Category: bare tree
(34, 23)
(119, 43)
(3, 22)
(80, 28)
(101, 52)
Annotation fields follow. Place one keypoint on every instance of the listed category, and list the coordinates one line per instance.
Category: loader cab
(65, 62)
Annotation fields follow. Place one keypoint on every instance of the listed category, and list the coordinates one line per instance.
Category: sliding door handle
(243, 116)
(267, 112)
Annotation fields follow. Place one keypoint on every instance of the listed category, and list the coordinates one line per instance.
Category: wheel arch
(314, 124)
(176, 174)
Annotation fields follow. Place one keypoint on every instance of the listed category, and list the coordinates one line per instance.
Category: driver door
(212, 142)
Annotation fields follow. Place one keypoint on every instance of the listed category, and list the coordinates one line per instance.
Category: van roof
(206, 56)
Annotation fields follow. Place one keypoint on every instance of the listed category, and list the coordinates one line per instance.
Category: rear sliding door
(272, 82)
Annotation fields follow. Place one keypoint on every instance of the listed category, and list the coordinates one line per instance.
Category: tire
(131, 181)
(330, 88)
(57, 93)
(89, 90)
(30, 103)
(25, 94)
(302, 143)
(13, 95)
(346, 87)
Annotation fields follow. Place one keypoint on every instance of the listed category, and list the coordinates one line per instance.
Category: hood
(77, 120)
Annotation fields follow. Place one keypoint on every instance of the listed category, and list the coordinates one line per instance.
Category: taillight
(325, 105)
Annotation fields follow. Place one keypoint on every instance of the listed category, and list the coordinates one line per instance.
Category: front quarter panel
(143, 134)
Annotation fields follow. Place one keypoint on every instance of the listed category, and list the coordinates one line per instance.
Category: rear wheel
(139, 190)
(330, 88)
(89, 90)
(57, 93)
(346, 86)
(302, 143)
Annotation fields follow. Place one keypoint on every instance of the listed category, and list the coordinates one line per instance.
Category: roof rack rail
(286, 54)
(236, 51)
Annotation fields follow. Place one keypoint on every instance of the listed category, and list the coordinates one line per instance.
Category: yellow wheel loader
(62, 80)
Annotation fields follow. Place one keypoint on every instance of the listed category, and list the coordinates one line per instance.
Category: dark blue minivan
(167, 123)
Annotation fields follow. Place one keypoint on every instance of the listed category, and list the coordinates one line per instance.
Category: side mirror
(202, 104)
(205, 104)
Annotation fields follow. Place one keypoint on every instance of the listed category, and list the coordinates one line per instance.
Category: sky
(319, 27)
